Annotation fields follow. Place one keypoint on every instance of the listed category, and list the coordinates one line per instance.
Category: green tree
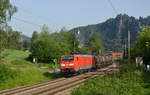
(65, 38)
(13, 39)
(26, 44)
(142, 45)
(85, 50)
(6, 10)
(44, 47)
(9, 39)
(34, 36)
(44, 50)
(3, 39)
(95, 45)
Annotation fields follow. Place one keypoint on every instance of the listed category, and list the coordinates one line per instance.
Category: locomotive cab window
(77, 58)
(68, 58)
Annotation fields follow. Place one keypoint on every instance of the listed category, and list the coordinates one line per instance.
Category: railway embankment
(16, 70)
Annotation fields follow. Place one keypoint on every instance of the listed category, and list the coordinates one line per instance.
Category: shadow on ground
(53, 75)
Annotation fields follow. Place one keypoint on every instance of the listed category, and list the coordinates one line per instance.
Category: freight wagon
(102, 61)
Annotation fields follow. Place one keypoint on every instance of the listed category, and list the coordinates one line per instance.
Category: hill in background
(113, 33)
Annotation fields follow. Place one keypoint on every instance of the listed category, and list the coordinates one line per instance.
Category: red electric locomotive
(77, 63)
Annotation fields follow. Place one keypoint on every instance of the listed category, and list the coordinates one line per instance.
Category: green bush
(6, 73)
(129, 81)
(127, 68)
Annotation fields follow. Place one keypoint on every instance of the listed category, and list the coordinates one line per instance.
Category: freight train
(80, 63)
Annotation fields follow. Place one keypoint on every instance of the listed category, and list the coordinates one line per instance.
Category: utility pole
(129, 46)
(74, 46)
(119, 32)
(125, 50)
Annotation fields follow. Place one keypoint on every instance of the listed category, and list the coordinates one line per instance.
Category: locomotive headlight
(71, 64)
(62, 64)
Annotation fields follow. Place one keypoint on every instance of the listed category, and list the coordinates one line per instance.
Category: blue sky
(71, 13)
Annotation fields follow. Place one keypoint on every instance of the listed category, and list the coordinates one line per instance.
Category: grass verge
(16, 71)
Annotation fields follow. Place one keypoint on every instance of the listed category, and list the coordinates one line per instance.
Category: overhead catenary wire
(120, 24)
(42, 18)
(40, 25)
(24, 21)
(28, 22)
(111, 4)
(31, 14)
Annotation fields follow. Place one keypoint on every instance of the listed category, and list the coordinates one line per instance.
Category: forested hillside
(114, 31)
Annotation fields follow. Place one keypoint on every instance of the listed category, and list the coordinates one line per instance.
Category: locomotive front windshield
(68, 58)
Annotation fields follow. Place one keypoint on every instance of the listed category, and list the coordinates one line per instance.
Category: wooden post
(129, 47)
(74, 46)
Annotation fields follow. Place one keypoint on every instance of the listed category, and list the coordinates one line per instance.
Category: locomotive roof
(81, 55)
(85, 55)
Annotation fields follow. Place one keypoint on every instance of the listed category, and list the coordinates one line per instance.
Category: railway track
(23, 88)
(55, 86)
